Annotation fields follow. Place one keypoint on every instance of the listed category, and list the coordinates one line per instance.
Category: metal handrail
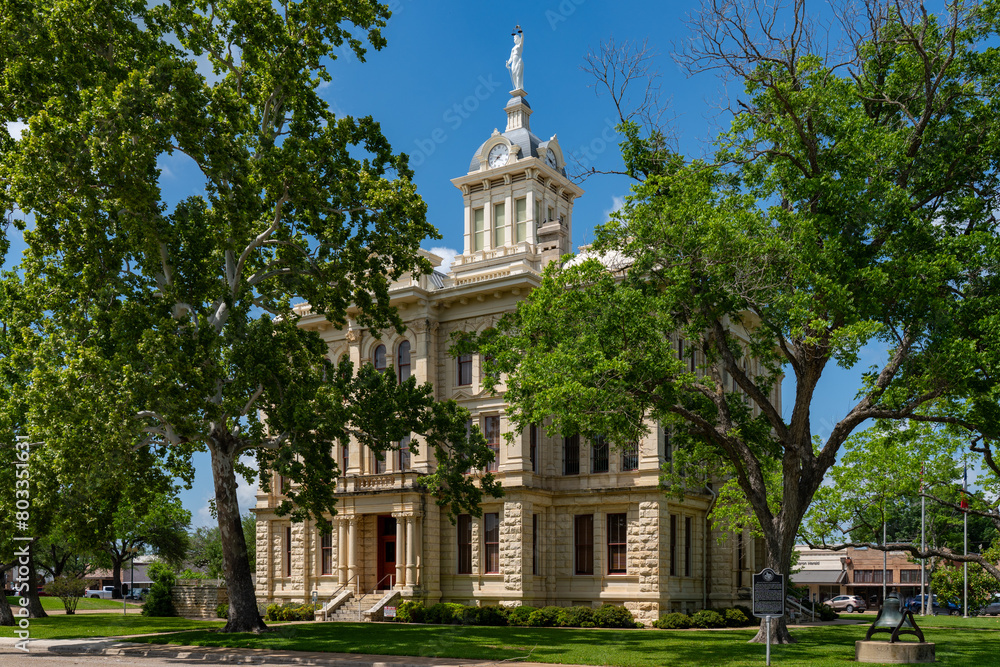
(345, 585)
(390, 577)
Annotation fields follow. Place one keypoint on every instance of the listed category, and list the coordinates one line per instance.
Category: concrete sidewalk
(121, 648)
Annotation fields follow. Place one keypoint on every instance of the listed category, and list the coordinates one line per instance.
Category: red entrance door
(386, 552)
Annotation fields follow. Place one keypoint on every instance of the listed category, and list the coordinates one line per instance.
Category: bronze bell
(890, 619)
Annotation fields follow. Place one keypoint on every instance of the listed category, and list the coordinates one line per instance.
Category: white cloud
(616, 204)
(16, 129)
(447, 256)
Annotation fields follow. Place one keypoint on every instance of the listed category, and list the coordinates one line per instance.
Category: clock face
(550, 158)
(499, 155)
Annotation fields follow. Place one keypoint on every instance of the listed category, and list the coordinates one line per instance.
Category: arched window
(378, 358)
(403, 361)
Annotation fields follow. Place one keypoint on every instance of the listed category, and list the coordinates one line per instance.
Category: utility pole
(923, 545)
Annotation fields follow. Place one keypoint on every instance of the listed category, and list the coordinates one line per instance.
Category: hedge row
(735, 617)
(448, 613)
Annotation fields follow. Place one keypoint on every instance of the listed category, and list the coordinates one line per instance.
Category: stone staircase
(348, 612)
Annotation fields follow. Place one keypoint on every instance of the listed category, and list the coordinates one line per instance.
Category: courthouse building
(580, 523)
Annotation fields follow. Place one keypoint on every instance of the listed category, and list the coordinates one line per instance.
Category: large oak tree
(851, 204)
(181, 311)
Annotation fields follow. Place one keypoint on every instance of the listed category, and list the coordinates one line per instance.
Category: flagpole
(965, 565)
(923, 545)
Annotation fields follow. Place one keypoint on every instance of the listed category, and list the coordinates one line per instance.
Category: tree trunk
(116, 576)
(243, 614)
(6, 613)
(779, 558)
(35, 609)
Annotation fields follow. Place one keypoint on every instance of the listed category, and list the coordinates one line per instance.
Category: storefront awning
(819, 577)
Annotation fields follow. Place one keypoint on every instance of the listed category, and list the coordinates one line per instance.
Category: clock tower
(518, 201)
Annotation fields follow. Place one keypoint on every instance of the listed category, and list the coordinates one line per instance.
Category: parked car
(105, 592)
(848, 603)
(137, 594)
(937, 608)
(992, 609)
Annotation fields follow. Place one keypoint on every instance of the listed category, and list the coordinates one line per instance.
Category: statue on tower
(515, 63)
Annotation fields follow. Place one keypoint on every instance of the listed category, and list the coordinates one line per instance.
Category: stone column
(411, 574)
(352, 549)
(342, 551)
(400, 544)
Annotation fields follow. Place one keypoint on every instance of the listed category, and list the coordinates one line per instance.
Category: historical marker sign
(768, 593)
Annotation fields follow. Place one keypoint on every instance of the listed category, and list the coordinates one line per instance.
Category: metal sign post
(768, 600)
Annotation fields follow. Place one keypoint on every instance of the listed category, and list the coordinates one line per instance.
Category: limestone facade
(579, 524)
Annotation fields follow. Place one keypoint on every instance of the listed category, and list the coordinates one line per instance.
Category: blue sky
(439, 87)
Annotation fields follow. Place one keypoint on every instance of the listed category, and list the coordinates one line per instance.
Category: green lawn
(50, 603)
(975, 646)
(817, 647)
(106, 625)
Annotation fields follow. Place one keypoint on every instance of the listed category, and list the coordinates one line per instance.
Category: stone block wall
(195, 598)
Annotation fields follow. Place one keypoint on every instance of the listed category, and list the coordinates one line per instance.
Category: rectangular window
(688, 538)
(464, 544)
(378, 466)
(630, 457)
(345, 454)
(673, 545)
(326, 551)
(617, 544)
(499, 226)
(538, 219)
(491, 541)
(571, 455)
(404, 454)
(478, 230)
(909, 576)
(583, 543)
(288, 551)
(533, 447)
(491, 430)
(282, 484)
(520, 220)
(551, 214)
(464, 370)
(534, 544)
(598, 455)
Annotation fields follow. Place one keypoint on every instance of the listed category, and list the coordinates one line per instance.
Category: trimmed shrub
(611, 616)
(159, 601)
(708, 618)
(492, 615)
(826, 613)
(751, 619)
(576, 617)
(290, 611)
(519, 615)
(411, 611)
(546, 617)
(222, 611)
(735, 618)
(673, 621)
(444, 613)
